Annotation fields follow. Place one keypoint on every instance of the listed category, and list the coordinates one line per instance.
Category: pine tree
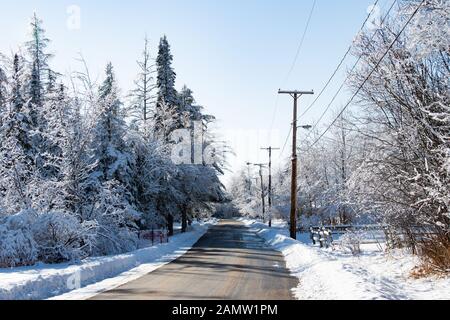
(55, 110)
(75, 163)
(3, 90)
(143, 95)
(39, 67)
(111, 177)
(15, 148)
(109, 134)
(191, 111)
(166, 117)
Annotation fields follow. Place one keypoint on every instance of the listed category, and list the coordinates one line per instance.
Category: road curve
(229, 262)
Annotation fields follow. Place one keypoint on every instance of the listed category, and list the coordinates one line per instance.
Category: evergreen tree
(15, 157)
(109, 145)
(3, 90)
(143, 95)
(111, 177)
(167, 117)
(39, 67)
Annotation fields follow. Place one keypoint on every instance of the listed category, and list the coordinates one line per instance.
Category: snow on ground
(93, 275)
(334, 274)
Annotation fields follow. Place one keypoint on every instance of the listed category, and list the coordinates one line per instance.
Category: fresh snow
(332, 274)
(93, 275)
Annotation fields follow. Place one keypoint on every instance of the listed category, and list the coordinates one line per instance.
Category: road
(229, 262)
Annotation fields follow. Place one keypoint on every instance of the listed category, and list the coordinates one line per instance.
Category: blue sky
(234, 54)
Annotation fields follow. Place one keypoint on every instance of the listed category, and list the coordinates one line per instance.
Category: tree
(111, 177)
(407, 118)
(15, 149)
(143, 94)
(167, 102)
(38, 67)
(110, 149)
(75, 179)
(3, 90)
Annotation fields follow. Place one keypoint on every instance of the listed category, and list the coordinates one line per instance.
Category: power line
(370, 74)
(301, 42)
(332, 76)
(351, 70)
(275, 111)
(299, 48)
(285, 143)
(342, 60)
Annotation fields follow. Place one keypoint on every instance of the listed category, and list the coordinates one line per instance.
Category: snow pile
(45, 281)
(328, 274)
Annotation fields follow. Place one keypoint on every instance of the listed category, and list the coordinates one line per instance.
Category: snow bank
(336, 275)
(86, 279)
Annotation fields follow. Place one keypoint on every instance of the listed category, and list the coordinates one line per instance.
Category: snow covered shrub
(61, 237)
(352, 241)
(117, 227)
(17, 246)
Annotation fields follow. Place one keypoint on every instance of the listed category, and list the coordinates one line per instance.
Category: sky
(234, 54)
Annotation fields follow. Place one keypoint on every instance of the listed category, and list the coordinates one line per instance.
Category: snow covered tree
(75, 179)
(38, 67)
(111, 177)
(109, 145)
(407, 116)
(15, 149)
(166, 117)
(143, 95)
(3, 89)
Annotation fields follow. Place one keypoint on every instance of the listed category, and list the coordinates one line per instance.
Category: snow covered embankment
(86, 279)
(336, 275)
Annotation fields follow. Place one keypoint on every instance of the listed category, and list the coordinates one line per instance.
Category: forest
(84, 167)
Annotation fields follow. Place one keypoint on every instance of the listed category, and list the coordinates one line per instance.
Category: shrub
(61, 237)
(17, 246)
(352, 241)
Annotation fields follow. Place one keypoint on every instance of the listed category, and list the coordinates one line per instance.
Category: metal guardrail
(324, 234)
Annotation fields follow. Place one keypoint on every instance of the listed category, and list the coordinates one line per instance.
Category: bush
(352, 241)
(436, 254)
(61, 237)
(17, 246)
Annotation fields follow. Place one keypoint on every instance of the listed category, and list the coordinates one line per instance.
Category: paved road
(228, 262)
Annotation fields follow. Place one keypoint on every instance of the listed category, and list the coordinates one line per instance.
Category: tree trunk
(184, 220)
(170, 224)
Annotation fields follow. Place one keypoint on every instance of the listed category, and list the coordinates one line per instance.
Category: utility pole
(270, 149)
(249, 178)
(261, 166)
(293, 219)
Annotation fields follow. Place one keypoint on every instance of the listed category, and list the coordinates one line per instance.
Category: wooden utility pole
(270, 149)
(263, 202)
(249, 178)
(293, 219)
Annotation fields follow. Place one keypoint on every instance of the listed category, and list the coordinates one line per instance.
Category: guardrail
(155, 236)
(394, 237)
